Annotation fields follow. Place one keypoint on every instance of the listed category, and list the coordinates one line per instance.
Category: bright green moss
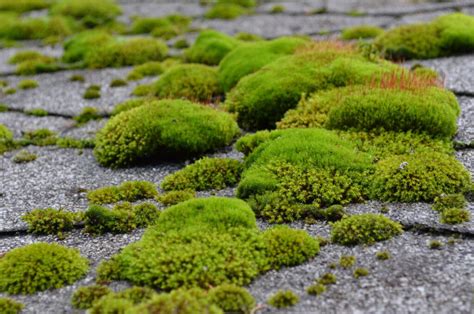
(152, 68)
(40, 266)
(12, 27)
(277, 9)
(28, 84)
(50, 221)
(283, 298)
(175, 197)
(446, 201)
(418, 177)
(107, 271)
(10, 91)
(205, 174)
(210, 48)
(248, 143)
(195, 82)
(164, 27)
(37, 112)
(364, 229)
(39, 137)
(361, 32)
(162, 129)
(446, 35)
(35, 64)
(118, 82)
(347, 261)
(232, 299)
(22, 6)
(24, 156)
(85, 297)
(455, 216)
(360, 272)
(226, 11)
(243, 36)
(70, 142)
(181, 43)
(10, 306)
(288, 247)
(242, 3)
(249, 58)
(262, 98)
(111, 304)
(91, 93)
(129, 104)
(24, 55)
(316, 289)
(88, 113)
(89, 12)
(78, 46)
(129, 191)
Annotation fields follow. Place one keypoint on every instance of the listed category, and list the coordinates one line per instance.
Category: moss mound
(78, 46)
(22, 6)
(361, 32)
(210, 48)
(364, 229)
(89, 12)
(419, 177)
(262, 98)
(248, 58)
(10, 306)
(283, 298)
(446, 35)
(428, 110)
(40, 266)
(162, 129)
(195, 82)
(232, 299)
(55, 27)
(85, 297)
(205, 174)
(165, 27)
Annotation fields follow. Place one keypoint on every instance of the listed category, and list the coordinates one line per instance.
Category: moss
(232, 299)
(24, 156)
(129, 104)
(40, 266)
(361, 32)
(281, 83)
(364, 229)
(24, 55)
(88, 12)
(10, 306)
(249, 58)
(435, 245)
(455, 216)
(210, 48)
(181, 43)
(327, 279)
(446, 35)
(243, 36)
(316, 289)
(70, 142)
(79, 45)
(50, 221)
(39, 137)
(129, 191)
(37, 112)
(205, 174)
(91, 93)
(85, 297)
(195, 82)
(118, 82)
(14, 28)
(425, 110)
(87, 114)
(226, 11)
(418, 177)
(10, 91)
(175, 197)
(165, 128)
(383, 255)
(347, 261)
(107, 271)
(288, 247)
(360, 272)
(6, 139)
(164, 27)
(151, 68)
(283, 298)
(331, 213)
(23, 5)
(322, 241)
(28, 84)
(446, 201)
(276, 9)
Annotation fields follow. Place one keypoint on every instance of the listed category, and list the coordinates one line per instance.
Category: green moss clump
(107, 271)
(175, 197)
(163, 129)
(121, 219)
(77, 78)
(14, 28)
(446, 201)
(226, 11)
(181, 43)
(347, 261)
(10, 91)
(24, 55)
(364, 229)
(50, 221)
(232, 299)
(129, 104)
(210, 48)
(276, 9)
(151, 68)
(88, 114)
(361, 32)
(261, 99)
(37, 112)
(40, 266)
(446, 35)
(243, 36)
(89, 12)
(28, 84)
(85, 297)
(360, 272)
(288, 247)
(316, 289)
(383, 255)
(92, 92)
(195, 82)
(81, 44)
(39, 137)
(70, 142)
(129, 191)
(419, 177)
(248, 143)
(249, 58)
(164, 27)
(118, 82)
(10, 306)
(283, 298)
(119, 302)
(24, 156)
(455, 216)
(205, 174)
(327, 279)
(22, 6)
(435, 245)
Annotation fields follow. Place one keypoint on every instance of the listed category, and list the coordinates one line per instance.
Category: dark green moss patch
(455, 216)
(50, 221)
(360, 272)
(28, 84)
(232, 299)
(347, 261)
(175, 197)
(85, 297)
(283, 298)
(10, 306)
(23, 157)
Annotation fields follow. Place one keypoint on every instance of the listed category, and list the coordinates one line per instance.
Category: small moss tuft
(50, 221)
(446, 201)
(383, 255)
(316, 289)
(455, 216)
(435, 245)
(28, 84)
(129, 191)
(175, 197)
(347, 261)
(283, 298)
(232, 299)
(37, 112)
(10, 306)
(87, 114)
(361, 272)
(92, 92)
(77, 78)
(24, 156)
(226, 11)
(327, 279)
(361, 32)
(89, 12)
(85, 297)
(118, 82)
